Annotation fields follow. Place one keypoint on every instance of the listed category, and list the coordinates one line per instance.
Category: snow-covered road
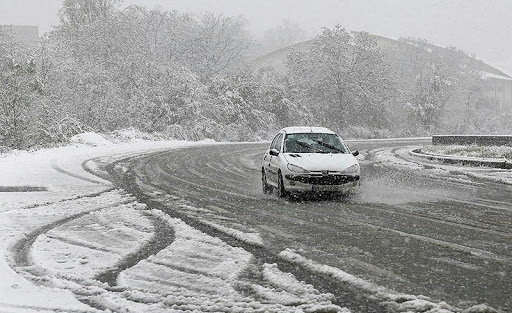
(84, 246)
(180, 237)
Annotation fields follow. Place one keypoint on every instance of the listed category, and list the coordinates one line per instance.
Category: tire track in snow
(21, 249)
(162, 237)
(33, 206)
(77, 176)
(88, 291)
(344, 296)
(80, 286)
(129, 184)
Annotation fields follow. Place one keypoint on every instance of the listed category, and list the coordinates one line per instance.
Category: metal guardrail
(483, 140)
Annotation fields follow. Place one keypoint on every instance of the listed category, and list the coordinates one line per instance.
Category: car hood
(321, 161)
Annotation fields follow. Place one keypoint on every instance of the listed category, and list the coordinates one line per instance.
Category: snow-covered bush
(90, 138)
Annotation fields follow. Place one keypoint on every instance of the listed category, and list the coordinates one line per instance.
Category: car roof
(307, 129)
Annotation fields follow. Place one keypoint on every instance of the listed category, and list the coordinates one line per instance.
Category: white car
(309, 159)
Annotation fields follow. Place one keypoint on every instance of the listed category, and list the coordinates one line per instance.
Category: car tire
(267, 189)
(281, 191)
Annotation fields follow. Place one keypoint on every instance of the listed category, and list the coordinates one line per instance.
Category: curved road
(411, 230)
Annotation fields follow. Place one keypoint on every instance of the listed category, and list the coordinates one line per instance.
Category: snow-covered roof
(487, 75)
(307, 129)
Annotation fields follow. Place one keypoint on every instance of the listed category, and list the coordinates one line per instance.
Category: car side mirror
(355, 153)
(274, 152)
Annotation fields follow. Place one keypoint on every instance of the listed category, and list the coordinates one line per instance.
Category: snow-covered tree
(344, 79)
(78, 13)
(17, 88)
(220, 44)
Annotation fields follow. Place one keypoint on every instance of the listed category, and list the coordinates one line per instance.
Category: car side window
(279, 142)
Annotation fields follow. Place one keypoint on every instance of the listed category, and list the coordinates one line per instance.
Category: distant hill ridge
(277, 58)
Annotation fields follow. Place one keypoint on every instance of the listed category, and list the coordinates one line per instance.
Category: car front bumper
(320, 183)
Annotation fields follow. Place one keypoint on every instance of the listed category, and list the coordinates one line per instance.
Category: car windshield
(313, 143)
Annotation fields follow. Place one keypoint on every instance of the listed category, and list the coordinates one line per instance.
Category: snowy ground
(71, 191)
(474, 151)
(69, 232)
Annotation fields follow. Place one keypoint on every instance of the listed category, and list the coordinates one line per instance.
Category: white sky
(481, 27)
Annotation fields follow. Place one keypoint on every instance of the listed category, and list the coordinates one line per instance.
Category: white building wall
(502, 90)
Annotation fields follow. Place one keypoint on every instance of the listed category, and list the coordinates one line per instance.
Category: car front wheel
(281, 192)
(265, 186)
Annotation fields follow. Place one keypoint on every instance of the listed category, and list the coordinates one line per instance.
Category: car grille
(323, 179)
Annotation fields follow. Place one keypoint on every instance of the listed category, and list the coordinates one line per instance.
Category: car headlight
(351, 169)
(296, 169)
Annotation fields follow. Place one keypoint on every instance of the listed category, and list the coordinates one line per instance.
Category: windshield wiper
(325, 144)
(307, 145)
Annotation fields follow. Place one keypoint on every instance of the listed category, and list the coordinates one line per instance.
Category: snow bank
(91, 139)
(473, 151)
(400, 158)
(249, 238)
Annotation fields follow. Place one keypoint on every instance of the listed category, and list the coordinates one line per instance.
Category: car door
(267, 158)
(274, 163)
